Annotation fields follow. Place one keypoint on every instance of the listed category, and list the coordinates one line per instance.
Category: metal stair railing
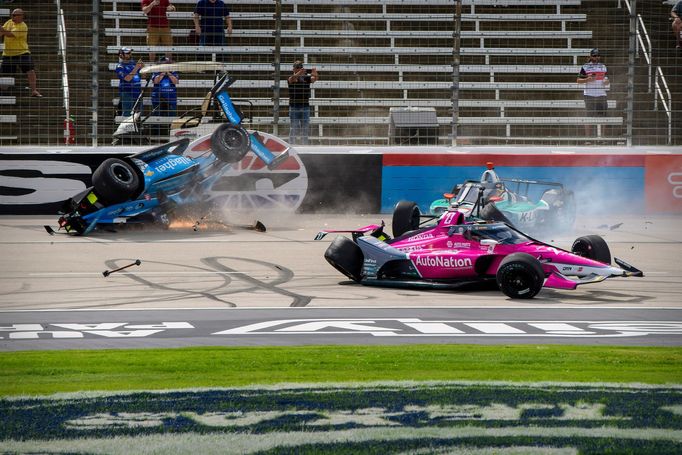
(61, 35)
(661, 89)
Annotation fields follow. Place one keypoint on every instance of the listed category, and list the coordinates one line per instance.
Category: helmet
(125, 50)
(594, 52)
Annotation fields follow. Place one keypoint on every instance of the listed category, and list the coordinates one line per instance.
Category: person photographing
(595, 78)
(299, 102)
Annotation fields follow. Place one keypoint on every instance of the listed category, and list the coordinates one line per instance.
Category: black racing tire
(230, 143)
(405, 217)
(491, 213)
(592, 247)
(345, 256)
(115, 181)
(520, 276)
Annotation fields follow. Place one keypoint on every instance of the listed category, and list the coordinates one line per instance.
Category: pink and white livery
(455, 252)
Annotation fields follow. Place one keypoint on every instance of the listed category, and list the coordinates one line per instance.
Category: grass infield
(46, 372)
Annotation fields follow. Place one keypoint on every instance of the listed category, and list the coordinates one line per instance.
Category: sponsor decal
(463, 245)
(397, 417)
(450, 262)
(411, 248)
(172, 163)
(425, 236)
(527, 216)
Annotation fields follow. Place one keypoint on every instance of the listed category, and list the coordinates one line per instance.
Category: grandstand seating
(519, 59)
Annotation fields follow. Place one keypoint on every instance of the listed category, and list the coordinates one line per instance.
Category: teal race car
(529, 205)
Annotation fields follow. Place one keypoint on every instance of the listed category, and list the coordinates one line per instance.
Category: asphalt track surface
(209, 284)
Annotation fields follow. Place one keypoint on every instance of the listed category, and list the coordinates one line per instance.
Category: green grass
(45, 372)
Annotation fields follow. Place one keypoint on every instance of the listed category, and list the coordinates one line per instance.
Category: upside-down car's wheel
(115, 181)
(405, 217)
(230, 143)
(592, 247)
(491, 213)
(520, 276)
(346, 257)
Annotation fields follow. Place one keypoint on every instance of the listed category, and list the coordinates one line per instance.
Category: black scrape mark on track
(283, 275)
(112, 263)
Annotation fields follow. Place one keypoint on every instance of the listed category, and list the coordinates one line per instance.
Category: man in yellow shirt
(16, 55)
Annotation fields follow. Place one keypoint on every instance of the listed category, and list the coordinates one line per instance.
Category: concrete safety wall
(372, 181)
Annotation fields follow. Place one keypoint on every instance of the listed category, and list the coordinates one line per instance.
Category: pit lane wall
(35, 180)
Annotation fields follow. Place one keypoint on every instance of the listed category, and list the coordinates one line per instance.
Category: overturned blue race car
(149, 186)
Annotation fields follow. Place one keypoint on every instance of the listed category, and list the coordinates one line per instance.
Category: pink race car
(455, 252)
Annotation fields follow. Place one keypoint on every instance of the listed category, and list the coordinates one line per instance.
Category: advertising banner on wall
(604, 183)
(663, 183)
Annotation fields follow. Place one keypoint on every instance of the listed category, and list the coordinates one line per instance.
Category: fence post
(632, 49)
(277, 64)
(95, 70)
(456, 42)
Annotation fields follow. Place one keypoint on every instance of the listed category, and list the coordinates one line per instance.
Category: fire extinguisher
(69, 131)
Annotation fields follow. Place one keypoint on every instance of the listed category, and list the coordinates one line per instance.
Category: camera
(308, 71)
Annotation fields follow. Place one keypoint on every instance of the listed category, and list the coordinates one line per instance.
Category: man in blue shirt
(164, 94)
(129, 86)
(209, 16)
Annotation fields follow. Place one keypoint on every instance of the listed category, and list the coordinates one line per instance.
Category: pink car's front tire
(345, 256)
(520, 276)
(592, 247)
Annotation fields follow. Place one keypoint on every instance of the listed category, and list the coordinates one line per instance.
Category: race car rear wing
(355, 232)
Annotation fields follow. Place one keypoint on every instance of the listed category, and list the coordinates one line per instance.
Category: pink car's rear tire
(520, 276)
(345, 256)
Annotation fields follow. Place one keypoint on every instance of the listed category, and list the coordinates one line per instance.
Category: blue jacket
(134, 86)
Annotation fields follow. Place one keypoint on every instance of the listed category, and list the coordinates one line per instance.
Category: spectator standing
(595, 78)
(299, 102)
(16, 55)
(211, 17)
(158, 27)
(130, 82)
(676, 14)
(164, 93)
